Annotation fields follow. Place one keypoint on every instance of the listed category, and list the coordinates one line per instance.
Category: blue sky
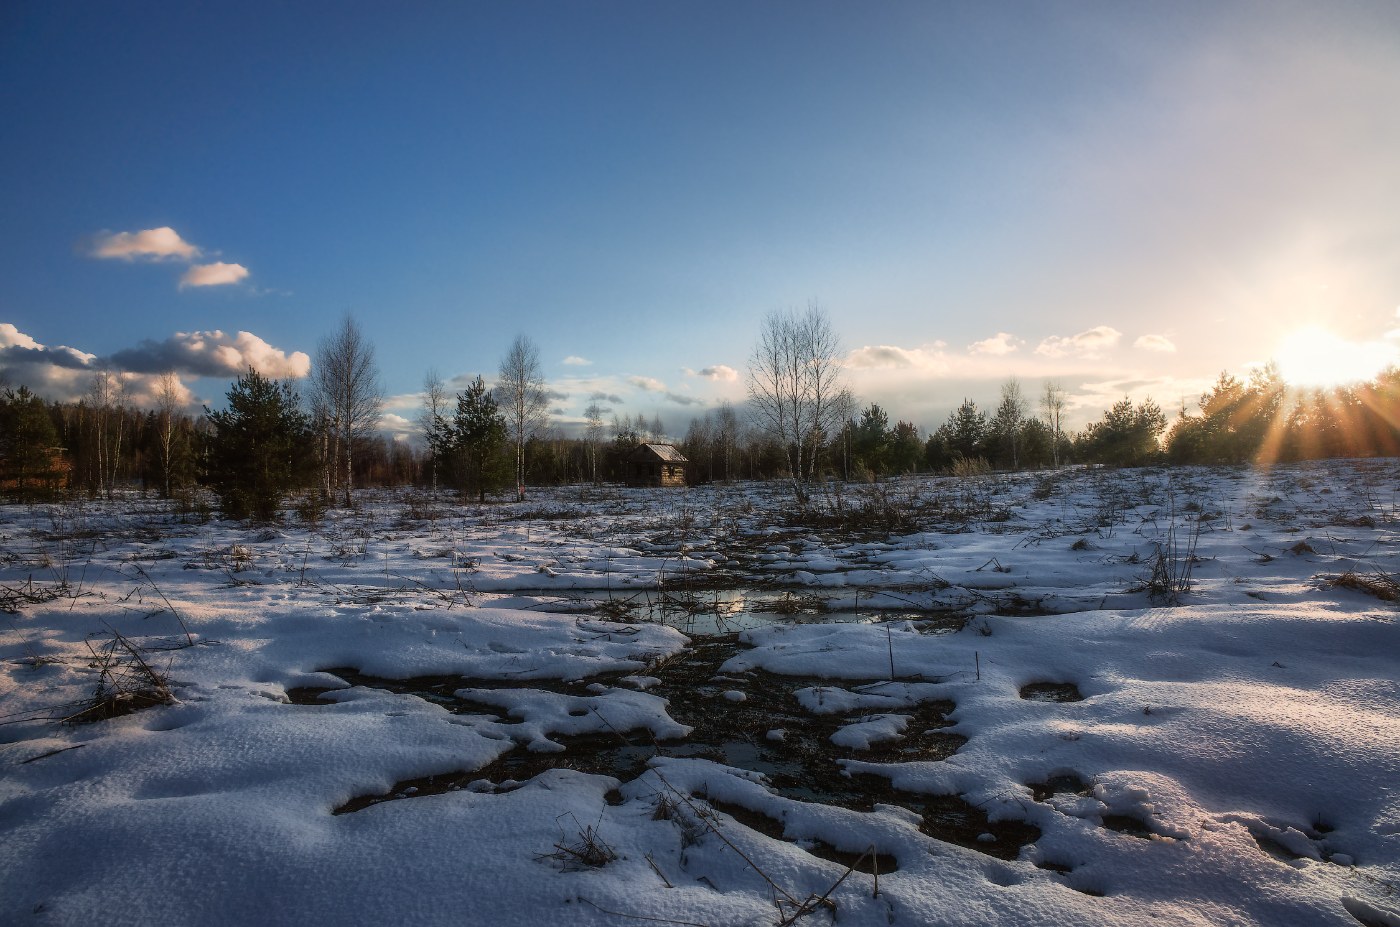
(1124, 197)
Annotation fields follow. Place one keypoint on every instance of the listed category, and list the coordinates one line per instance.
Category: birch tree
(726, 434)
(520, 392)
(168, 390)
(347, 397)
(593, 437)
(433, 420)
(1052, 406)
(796, 393)
(1006, 423)
(107, 395)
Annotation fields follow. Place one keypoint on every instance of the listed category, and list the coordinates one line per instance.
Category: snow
(1233, 756)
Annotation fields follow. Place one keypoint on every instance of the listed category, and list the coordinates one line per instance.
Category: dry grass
(126, 682)
(1381, 585)
(586, 851)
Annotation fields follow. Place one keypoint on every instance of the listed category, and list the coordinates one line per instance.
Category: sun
(1315, 357)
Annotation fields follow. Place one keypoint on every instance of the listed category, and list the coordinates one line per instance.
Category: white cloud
(1087, 344)
(213, 354)
(19, 352)
(653, 385)
(63, 373)
(159, 244)
(1155, 343)
(398, 427)
(650, 384)
(880, 356)
(718, 373)
(216, 274)
(1000, 343)
(573, 360)
(1088, 399)
(11, 337)
(929, 357)
(165, 244)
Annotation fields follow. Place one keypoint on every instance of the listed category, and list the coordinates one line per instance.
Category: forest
(100, 443)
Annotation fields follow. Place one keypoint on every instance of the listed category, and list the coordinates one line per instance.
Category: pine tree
(965, 433)
(871, 438)
(27, 442)
(1126, 436)
(260, 447)
(478, 438)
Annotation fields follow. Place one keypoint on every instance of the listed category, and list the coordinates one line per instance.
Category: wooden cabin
(656, 465)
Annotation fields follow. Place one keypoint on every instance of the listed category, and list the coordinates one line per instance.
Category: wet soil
(1071, 784)
(868, 862)
(801, 764)
(706, 605)
(1067, 784)
(1127, 824)
(1051, 692)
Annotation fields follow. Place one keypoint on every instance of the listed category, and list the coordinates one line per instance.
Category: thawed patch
(592, 727)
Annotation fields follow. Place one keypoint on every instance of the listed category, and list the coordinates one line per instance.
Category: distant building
(656, 465)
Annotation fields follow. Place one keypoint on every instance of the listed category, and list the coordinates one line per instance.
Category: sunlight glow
(1315, 357)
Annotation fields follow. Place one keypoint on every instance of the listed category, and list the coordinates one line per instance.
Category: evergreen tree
(870, 439)
(1126, 436)
(964, 435)
(27, 444)
(478, 438)
(905, 448)
(260, 447)
(1036, 444)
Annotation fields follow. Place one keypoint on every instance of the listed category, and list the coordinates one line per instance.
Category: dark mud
(1066, 784)
(802, 764)
(1128, 824)
(1072, 784)
(1051, 692)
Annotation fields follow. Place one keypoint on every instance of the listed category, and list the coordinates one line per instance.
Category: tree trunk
(348, 476)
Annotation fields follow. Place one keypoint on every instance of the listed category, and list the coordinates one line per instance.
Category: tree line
(272, 439)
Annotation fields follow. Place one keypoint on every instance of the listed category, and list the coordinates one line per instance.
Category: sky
(1124, 198)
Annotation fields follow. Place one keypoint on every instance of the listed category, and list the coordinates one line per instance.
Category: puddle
(1067, 784)
(705, 612)
(1051, 692)
(804, 765)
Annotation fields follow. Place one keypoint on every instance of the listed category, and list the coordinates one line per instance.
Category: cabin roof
(666, 453)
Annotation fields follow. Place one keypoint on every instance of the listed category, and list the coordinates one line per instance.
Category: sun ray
(1314, 356)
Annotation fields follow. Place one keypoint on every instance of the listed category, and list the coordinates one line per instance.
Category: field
(1084, 697)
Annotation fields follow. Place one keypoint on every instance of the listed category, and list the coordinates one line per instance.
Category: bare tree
(796, 394)
(700, 443)
(1009, 418)
(168, 390)
(726, 434)
(593, 436)
(347, 397)
(107, 395)
(520, 391)
(432, 419)
(1052, 406)
(846, 414)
